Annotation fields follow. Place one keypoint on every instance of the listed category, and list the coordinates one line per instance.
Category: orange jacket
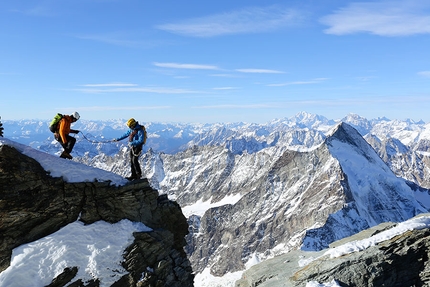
(64, 128)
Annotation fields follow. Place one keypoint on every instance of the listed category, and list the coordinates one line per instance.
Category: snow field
(96, 249)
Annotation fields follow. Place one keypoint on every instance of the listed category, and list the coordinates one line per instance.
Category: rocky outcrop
(411, 163)
(400, 261)
(1, 129)
(33, 205)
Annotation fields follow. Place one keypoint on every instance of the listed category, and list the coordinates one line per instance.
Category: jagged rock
(1, 129)
(401, 261)
(33, 205)
(65, 277)
(230, 234)
(149, 266)
(411, 163)
(90, 283)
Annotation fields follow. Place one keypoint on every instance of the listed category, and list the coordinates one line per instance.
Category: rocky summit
(33, 205)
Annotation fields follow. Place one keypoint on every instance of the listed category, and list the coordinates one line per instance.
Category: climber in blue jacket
(136, 139)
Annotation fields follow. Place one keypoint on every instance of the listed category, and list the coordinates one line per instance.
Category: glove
(114, 140)
(75, 131)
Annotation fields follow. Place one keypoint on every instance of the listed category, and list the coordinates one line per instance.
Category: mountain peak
(345, 140)
(370, 187)
(345, 133)
(307, 120)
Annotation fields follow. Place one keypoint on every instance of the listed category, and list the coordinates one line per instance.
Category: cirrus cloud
(425, 74)
(185, 66)
(247, 20)
(386, 18)
(259, 71)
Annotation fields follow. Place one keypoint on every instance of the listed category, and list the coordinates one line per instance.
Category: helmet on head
(131, 123)
(76, 115)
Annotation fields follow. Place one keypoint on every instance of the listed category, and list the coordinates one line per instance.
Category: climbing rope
(138, 154)
(108, 141)
(93, 141)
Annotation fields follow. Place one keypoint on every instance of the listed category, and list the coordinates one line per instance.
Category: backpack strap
(132, 134)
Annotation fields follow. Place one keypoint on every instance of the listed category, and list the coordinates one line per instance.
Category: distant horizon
(248, 122)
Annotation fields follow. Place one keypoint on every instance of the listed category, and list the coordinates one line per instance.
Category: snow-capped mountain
(283, 199)
(304, 130)
(252, 191)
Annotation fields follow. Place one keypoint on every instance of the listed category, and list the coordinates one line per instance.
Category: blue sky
(214, 61)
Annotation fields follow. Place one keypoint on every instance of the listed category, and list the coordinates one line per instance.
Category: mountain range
(252, 192)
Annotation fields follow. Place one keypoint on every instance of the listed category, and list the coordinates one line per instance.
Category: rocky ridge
(397, 262)
(33, 205)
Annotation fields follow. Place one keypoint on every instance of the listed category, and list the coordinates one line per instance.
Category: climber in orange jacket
(63, 137)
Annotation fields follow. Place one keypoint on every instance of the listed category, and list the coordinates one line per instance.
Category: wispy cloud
(116, 108)
(244, 106)
(185, 66)
(425, 74)
(154, 90)
(365, 78)
(387, 18)
(121, 38)
(248, 20)
(224, 75)
(310, 82)
(41, 9)
(259, 71)
(212, 67)
(328, 102)
(110, 85)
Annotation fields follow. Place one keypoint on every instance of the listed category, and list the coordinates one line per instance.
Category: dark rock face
(398, 262)
(34, 204)
(401, 261)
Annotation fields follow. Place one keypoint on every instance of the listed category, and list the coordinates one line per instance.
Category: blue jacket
(137, 138)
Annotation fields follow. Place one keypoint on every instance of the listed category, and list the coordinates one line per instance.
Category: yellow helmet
(131, 123)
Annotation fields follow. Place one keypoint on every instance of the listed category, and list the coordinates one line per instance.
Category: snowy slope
(70, 171)
(96, 249)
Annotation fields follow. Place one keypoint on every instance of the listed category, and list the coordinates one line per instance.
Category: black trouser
(68, 146)
(134, 161)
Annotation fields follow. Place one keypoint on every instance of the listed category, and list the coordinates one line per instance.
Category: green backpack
(54, 123)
